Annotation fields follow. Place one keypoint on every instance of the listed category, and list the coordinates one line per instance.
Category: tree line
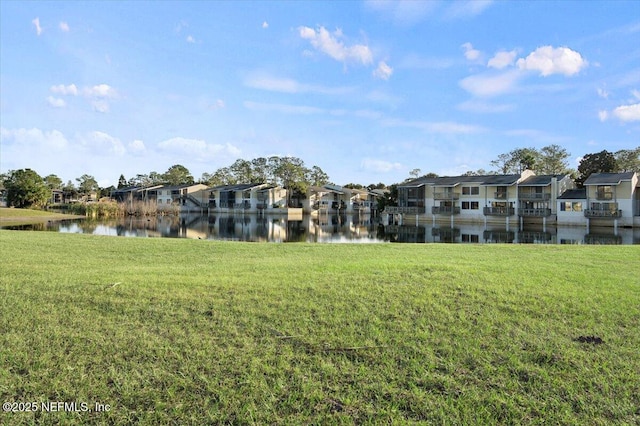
(25, 188)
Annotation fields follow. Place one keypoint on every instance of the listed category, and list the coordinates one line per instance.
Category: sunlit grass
(194, 331)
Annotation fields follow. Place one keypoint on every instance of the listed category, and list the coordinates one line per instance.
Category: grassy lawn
(14, 217)
(172, 331)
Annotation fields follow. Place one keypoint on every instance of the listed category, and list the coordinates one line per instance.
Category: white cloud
(549, 60)
(218, 104)
(64, 27)
(487, 85)
(403, 12)
(137, 146)
(265, 25)
(100, 91)
(627, 112)
(466, 9)
(283, 108)
(379, 166)
(198, 149)
(330, 44)
(100, 105)
(442, 127)
(624, 113)
(190, 39)
(603, 93)
(56, 102)
(34, 138)
(287, 85)
(470, 53)
(36, 23)
(636, 93)
(61, 89)
(102, 143)
(603, 115)
(484, 108)
(383, 71)
(502, 59)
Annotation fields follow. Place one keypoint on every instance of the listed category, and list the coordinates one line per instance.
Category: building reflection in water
(335, 228)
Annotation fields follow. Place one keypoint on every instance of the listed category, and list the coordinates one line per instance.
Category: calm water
(333, 229)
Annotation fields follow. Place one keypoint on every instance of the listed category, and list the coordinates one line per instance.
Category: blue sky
(367, 90)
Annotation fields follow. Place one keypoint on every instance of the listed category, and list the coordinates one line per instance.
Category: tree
(242, 171)
(53, 182)
(122, 182)
(628, 160)
(553, 160)
(415, 173)
(389, 198)
(290, 174)
(178, 175)
(517, 161)
(87, 184)
(69, 192)
(25, 188)
(317, 177)
(600, 162)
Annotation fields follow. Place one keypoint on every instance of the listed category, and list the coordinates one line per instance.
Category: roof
(608, 178)
(541, 180)
(451, 181)
(236, 187)
(574, 194)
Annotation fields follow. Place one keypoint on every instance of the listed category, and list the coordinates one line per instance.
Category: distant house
(335, 199)
(538, 195)
(611, 197)
(248, 198)
(485, 199)
(187, 197)
(570, 207)
(135, 193)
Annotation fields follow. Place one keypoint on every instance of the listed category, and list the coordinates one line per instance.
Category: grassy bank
(14, 217)
(197, 332)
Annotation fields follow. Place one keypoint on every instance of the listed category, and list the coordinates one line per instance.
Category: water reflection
(334, 229)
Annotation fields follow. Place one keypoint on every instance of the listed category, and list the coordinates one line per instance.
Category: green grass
(14, 217)
(170, 331)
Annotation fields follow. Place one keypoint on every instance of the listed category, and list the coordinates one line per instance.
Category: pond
(332, 229)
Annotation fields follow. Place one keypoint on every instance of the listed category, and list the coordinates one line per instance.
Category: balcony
(447, 195)
(500, 195)
(534, 212)
(603, 214)
(406, 210)
(534, 196)
(498, 211)
(445, 210)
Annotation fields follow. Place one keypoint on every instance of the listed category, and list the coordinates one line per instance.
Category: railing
(194, 200)
(500, 195)
(603, 214)
(534, 196)
(445, 196)
(227, 204)
(534, 212)
(499, 211)
(406, 210)
(445, 210)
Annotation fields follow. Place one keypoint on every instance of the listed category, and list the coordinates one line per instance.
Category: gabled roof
(574, 194)
(236, 187)
(415, 183)
(501, 180)
(608, 178)
(541, 180)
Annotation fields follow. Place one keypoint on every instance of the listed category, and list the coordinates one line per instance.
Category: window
(470, 238)
(568, 206)
(470, 190)
(470, 205)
